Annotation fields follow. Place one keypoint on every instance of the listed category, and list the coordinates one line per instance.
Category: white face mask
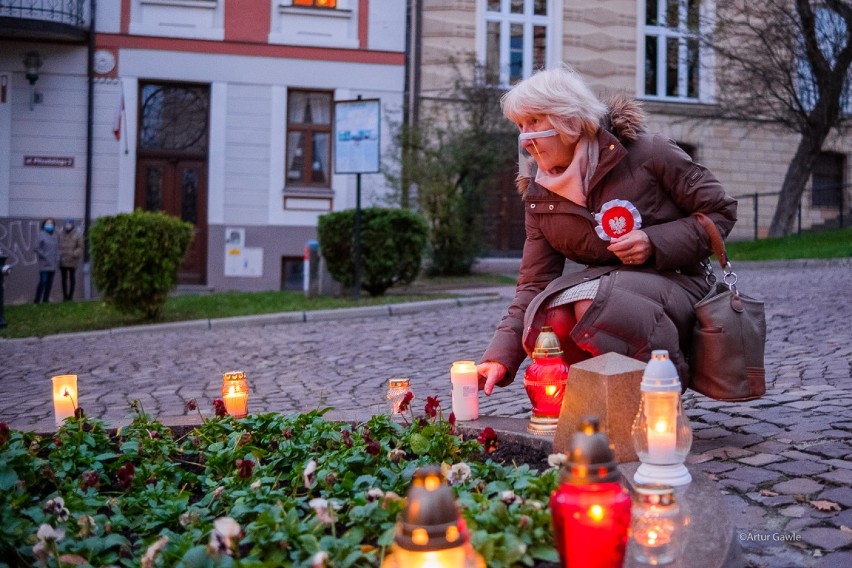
(523, 155)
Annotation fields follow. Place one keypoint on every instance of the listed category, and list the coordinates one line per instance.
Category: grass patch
(29, 320)
(38, 320)
(828, 244)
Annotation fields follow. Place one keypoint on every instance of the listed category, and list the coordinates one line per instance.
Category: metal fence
(72, 12)
(820, 209)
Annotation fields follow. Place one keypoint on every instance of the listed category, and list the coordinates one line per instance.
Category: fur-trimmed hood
(625, 119)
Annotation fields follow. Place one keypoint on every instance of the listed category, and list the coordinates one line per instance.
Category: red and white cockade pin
(617, 218)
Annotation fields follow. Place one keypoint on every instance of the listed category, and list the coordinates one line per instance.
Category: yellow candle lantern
(65, 399)
(431, 533)
(235, 392)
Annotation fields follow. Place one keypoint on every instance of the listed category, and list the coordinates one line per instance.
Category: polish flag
(119, 114)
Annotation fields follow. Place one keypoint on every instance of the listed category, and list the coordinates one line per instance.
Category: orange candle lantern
(544, 381)
(235, 392)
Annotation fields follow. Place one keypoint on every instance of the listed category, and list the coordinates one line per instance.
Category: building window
(671, 49)
(309, 138)
(516, 36)
(316, 3)
(827, 180)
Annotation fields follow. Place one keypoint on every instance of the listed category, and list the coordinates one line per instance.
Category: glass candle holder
(590, 508)
(465, 395)
(397, 389)
(65, 399)
(656, 524)
(545, 380)
(661, 433)
(235, 392)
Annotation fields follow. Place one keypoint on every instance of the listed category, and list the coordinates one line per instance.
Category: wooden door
(171, 162)
(178, 187)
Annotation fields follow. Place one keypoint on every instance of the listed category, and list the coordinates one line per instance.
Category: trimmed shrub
(135, 259)
(392, 244)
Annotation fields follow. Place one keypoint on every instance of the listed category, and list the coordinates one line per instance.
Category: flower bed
(266, 490)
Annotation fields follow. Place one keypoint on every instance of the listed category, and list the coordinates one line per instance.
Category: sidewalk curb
(383, 310)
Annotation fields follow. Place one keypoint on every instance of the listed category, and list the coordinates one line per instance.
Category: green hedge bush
(135, 259)
(392, 245)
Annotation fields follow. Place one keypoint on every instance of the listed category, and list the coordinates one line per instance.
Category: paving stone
(758, 460)
(799, 467)
(762, 429)
(843, 464)
(711, 433)
(798, 486)
(739, 440)
(769, 447)
(728, 452)
(716, 466)
(797, 455)
(842, 559)
(842, 495)
(736, 485)
(794, 511)
(827, 538)
(739, 421)
(842, 519)
(838, 476)
(752, 475)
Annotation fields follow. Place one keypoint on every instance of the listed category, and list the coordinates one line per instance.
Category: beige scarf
(573, 182)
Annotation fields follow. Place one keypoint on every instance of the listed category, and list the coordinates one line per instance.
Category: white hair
(559, 94)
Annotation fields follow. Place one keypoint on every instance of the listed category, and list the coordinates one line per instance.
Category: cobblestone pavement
(784, 462)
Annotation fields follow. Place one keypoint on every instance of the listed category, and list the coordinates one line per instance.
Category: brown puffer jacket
(637, 308)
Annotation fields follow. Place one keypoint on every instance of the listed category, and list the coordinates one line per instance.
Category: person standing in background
(47, 252)
(70, 255)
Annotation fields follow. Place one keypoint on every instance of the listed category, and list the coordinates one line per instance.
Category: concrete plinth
(606, 386)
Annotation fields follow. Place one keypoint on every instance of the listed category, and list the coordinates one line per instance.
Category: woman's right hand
(490, 373)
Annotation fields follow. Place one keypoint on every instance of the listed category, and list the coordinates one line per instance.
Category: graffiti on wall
(18, 239)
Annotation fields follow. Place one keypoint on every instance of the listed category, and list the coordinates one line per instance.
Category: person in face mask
(47, 252)
(70, 255)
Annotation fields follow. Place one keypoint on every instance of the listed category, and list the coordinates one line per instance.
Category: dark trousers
(69, 280)
(45, 283)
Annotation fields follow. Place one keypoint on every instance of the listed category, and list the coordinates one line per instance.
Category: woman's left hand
(633, 248)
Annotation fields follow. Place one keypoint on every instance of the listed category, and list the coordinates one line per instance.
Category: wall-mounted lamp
(32, 63)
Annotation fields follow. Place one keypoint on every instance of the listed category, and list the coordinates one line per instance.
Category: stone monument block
(606, 386)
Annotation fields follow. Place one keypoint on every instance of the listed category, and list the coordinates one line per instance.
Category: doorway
(171, 165)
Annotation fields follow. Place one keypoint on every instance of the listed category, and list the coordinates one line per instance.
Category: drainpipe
(87, 215)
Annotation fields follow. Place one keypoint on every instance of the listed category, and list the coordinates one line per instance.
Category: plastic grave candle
(661, 433)
(544, 381)
(465, 390)
(657, 524)
(431, 533)
(590, 508)
(65, 399)
(397, 389)
(235, 393)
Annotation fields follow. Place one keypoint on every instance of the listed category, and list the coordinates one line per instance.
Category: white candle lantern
(65, 399)
(235, 391)
(661, 433)
(465, 381)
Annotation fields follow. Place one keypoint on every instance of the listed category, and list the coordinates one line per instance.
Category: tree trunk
(795, 182)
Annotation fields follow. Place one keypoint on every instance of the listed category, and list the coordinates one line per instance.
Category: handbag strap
(718, 246)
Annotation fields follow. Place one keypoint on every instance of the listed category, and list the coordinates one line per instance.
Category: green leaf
(8, 478)
(419, 444)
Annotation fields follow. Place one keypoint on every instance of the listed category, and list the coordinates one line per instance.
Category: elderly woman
(603, 193)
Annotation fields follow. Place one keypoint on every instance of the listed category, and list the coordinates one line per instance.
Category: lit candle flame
(596, 513)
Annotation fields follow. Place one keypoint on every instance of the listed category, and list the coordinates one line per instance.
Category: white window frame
(552, 22)
(706, 78)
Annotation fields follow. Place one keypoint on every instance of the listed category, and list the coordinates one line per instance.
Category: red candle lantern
(591, 507)
(544, 381)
